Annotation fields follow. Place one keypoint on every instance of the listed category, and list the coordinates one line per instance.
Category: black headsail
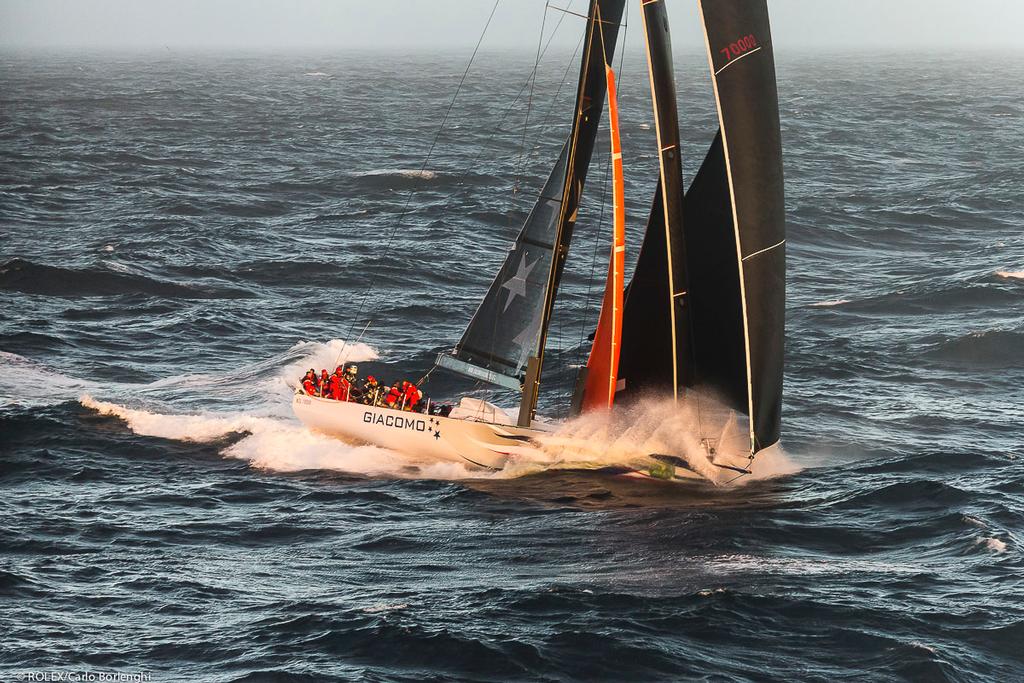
(510, 326)
(738, 279)
(655, 323)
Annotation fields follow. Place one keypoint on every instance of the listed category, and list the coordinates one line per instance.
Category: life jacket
(339, 388)
(412, 396)
(394, 395)
(309, 387)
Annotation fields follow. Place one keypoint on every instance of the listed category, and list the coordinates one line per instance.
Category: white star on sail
(516, 285)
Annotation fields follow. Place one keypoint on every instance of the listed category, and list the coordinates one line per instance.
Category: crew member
(339, 385)
(309, 383)
(371, 391)
(394, 396)
(325, 383)
(412, 396)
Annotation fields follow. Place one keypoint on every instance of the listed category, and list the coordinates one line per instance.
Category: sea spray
(629, 435)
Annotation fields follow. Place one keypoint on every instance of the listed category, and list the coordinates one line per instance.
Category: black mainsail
(730, 231)
(742, 63)
(510, 326)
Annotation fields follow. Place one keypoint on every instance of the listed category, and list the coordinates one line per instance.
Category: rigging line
(423, 166)
(554, 100)
(544, 123)
(504, 116)
(531, 81)
(529, 100)
(577, 14)
(625, 26)
(344, 343)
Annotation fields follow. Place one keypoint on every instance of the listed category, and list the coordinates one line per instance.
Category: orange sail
(603, 364)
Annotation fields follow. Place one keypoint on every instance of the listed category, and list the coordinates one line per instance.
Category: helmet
(371, 380)
(339, 369)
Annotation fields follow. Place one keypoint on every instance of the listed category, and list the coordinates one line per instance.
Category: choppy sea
(183, 233)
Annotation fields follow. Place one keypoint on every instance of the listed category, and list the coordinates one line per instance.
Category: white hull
(477, 444)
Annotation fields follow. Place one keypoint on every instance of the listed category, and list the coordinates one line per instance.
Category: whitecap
(384, 607)
(422, 174)
(993, 544)
(829, 303)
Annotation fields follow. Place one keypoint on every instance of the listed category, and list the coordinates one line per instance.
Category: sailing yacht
(704, 310)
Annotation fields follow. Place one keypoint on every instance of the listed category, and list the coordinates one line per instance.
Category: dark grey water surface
(179, 233)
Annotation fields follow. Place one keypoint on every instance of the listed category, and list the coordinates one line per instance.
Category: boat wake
(263, 432)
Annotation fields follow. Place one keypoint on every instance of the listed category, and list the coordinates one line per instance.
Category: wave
(829, 303)
(421, 174)
(29, 383)
(19, 275)
(991, 348)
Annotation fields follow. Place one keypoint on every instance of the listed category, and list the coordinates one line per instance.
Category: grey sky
(440, 24)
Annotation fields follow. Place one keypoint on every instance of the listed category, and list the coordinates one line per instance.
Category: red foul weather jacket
(339, 388)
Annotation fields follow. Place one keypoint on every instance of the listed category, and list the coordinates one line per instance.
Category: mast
(507, 333)
(602, 31)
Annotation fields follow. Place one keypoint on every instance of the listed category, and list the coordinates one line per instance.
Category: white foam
(627, 437)
(319, 74)
(385, 607)
(277, 444)
(1010, 274)
(326, 355)
(993, 544)
(829, 303)
(186, 427)
(423, 174)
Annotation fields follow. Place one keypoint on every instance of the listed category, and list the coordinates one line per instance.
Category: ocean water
(182, 234)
